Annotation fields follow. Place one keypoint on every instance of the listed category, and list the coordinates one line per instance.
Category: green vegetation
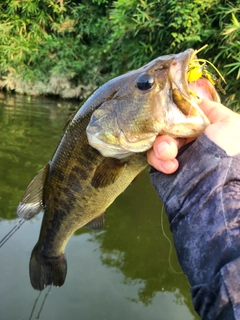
(68, 48)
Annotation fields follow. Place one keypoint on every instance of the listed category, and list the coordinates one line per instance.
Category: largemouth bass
(103, 148)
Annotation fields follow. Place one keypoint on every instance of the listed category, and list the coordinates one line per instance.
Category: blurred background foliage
(68, 48)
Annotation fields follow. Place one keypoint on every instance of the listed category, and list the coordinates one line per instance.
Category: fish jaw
(130, 121)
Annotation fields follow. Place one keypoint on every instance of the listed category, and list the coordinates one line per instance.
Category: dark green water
(120, 272)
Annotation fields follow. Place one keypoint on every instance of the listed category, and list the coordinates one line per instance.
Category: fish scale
(86, 174)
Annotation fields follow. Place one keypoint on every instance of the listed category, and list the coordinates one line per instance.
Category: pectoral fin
(107, 172)
(31, 203)
(96, 223)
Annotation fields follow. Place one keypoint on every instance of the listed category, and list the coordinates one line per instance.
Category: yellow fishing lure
(197, 71)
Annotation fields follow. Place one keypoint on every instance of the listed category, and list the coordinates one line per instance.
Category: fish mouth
(203, 88)
(187, 95)
(185, 117)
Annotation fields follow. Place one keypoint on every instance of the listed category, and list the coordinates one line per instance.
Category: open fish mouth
(187, 92)
(190, 82)
(162, 97)
(204, 89)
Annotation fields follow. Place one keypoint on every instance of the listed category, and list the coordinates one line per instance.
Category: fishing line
(11, 232)
(170, 244)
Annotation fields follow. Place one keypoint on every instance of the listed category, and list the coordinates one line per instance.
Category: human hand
(224, 131)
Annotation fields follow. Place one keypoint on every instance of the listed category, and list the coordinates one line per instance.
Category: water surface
(124, 271)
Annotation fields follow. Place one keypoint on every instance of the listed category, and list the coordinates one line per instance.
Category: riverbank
(68, 49)
(54, 86)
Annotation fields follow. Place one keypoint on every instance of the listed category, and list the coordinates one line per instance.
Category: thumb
(225, 128)
(216, 112)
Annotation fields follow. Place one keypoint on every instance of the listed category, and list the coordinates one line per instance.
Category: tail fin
(45, 271)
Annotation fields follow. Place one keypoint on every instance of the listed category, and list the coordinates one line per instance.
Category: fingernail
(168, 165)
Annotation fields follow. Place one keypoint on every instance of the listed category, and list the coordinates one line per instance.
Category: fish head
(153, 100)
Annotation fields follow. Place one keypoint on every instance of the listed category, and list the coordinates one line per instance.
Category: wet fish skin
(79, 183)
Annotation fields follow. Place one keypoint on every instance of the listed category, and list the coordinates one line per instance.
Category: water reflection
(132, 242)
(30, 129)
(122, 271)
(36, 309)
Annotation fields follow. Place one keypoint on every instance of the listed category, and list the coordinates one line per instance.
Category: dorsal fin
(31, 203)
(96, 223)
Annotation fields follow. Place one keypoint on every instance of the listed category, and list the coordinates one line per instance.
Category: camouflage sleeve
(202, 201)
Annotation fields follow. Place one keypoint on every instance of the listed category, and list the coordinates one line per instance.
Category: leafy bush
(68, 48)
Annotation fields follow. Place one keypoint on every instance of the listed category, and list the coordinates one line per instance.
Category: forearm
(203, 208)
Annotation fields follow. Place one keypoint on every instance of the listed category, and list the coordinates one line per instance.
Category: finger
(166, 147)
(167, 167)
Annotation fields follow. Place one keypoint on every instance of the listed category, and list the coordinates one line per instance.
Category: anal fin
(96, 223)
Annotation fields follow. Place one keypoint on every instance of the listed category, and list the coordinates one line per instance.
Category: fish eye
(144, 81)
